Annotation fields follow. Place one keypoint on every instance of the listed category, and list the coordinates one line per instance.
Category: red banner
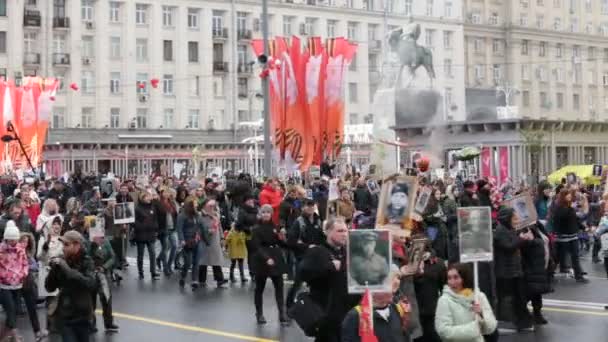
(486, 162)
(503, 156)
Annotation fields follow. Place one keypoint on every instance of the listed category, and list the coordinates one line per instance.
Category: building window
(114, 117)
(353, 118)
(141, 12)
(525, 72)
(573, 25)
(591, 52)
(493, 20)
(2, 41)
(524, 47)
(142, 118)
(352, 92)
(588, 6)
(557, 24)
(287, 26)
(30, 44)
(353, 64)
(576, 101)
(497, 73)
(352, 31)
(141, 50)
(542, 49)
(540, 21)
(114, 12)
(592, 78)
(86, 119)
(559, 50)
(87, 47)
(544, 101)
(168, 84)
(559, 100)
(168, 117)
(114, 83)
(217, 23)
(523, 19)
(408, 7)
(476, 18)
(447, 39)
(497, 46)
(193, 18)
(218, 87)
(309, 26)
(542, 73)
(331, 28)
(2, 8)
(447, 9)
(242, 55)
(168, 16)
(525, 98)
(557, 3)
(58, 117)
(194, 87)
(88, 82)
(115, 47)
(429, 37)
(243, 87)
(167, 50)
(193, 52)
(479, 73)
(447, 68)
(478, 45)
(142, 83)
(559, 75)
(193, 118)
(243, 115)
(241, 22)
(86, 10)
(429, 8)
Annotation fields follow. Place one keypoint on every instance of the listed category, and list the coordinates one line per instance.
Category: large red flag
(45, 104)
(366, 319)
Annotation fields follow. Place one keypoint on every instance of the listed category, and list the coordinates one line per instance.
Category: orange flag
(45, 104)
(28, 119)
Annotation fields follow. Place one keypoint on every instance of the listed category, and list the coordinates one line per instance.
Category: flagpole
(265, 93)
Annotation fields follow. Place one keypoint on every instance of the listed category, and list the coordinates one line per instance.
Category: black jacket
(467, 200)
(507, 255)
(162, 217)
(328, 286)
(429, 285)
(363, 198)
(484, 198)
(533, 264)
(309, 232)
(146, 222)
(267, 245)
(385, 330)
(75, 281)
(246, 219)
(565, 221)
(60, 197)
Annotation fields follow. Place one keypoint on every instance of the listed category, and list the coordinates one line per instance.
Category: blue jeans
(141, 245)
(191, 261)
(7, 299)
(172, 239)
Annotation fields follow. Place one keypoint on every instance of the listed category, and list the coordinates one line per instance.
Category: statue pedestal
(416, 106)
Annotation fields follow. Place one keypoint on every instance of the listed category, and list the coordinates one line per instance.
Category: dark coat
(289, 210)
(303, 233)
(328, 286)
(467, 200)
(565, 221)
(507, 255)
(61, 197)
(187, 228)
(363, 198)
(429, 286)
(146, 222)
(23, 223)
(246, 219)
(533, 265)
(75, 281)
(385, 331)
(267, 245)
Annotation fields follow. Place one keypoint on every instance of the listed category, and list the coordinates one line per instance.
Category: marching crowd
(282, 229)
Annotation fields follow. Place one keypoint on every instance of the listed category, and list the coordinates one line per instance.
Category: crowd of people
(52, 253)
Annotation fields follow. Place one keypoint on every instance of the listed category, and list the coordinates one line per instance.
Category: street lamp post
(398, 155)
(12, 135)
(265, 90)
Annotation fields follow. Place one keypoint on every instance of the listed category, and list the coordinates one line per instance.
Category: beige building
(550, 56)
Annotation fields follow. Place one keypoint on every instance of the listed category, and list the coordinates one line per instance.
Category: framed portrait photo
(369, 260)
(475, 234)
(397, 201)
(525, 209)
(124, 213)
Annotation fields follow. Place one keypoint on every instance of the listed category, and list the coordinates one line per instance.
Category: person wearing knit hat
(11, 232)
(14, 268)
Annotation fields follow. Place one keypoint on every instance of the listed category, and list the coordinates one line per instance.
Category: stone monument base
(415, 106)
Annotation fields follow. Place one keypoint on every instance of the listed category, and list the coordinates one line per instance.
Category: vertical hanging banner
(486, 162)
(503, 157)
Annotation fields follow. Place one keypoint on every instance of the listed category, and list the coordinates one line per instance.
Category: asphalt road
(160, 311)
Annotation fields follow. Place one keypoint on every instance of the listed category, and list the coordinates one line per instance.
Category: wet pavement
(160, 311)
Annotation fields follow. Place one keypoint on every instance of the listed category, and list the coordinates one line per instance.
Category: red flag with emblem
(366, 319)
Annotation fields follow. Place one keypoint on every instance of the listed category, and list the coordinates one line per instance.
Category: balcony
(32, 18)
(244, 34)
(61, 59)
(375, 45)
(61, 22)
(220, 33)
(220, 67)
(31, 58)
(245, 68)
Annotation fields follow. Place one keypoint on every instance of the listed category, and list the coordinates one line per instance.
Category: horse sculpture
(404, 43)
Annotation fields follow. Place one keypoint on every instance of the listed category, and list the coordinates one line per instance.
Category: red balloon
(74, 86)
(141, 85)
(423, 164)
(52, 98)
(154, 82)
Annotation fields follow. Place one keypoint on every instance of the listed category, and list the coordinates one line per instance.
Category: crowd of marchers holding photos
(53, 258)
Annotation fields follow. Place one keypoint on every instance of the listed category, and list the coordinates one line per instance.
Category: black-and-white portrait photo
(369, 255)
(597, 170)
(397, 200)
(475, 234)
(423, 200)
(372, 186)
(124, 213)
(525, 210)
